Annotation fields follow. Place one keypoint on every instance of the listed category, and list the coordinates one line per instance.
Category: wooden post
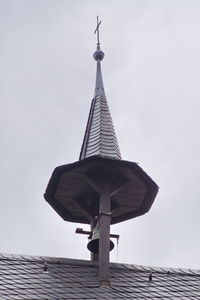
(93, 256)
(104, 239)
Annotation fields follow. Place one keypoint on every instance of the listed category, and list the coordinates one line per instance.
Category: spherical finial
(98, 55)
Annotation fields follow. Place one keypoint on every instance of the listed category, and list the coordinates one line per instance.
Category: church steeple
(100, 189)
(100, 138)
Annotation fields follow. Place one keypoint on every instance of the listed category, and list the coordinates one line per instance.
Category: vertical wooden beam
(93, 256)
(104, 239)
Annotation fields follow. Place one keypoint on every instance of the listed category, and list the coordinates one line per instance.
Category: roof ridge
(114, 265)
(50, 259)
(157, 269)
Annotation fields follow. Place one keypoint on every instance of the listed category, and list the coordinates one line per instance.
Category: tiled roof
(31, 278)
(100, 138)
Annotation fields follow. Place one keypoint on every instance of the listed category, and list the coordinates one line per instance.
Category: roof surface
(31, 277)
(100, 138)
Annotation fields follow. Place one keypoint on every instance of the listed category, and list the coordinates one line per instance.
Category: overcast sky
(151, 75)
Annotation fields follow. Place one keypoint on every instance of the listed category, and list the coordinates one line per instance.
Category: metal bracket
(81, 231)
(109, 214)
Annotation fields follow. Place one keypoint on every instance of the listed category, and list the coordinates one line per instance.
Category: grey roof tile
(23, 277)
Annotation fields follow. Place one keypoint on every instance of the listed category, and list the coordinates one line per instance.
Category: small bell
(93, 244)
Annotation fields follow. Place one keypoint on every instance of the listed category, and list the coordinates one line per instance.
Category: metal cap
(98, 55)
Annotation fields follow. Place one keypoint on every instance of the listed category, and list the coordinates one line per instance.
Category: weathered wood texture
(104, 241)
(93, 256)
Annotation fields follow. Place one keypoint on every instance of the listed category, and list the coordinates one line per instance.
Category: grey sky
(151, 77)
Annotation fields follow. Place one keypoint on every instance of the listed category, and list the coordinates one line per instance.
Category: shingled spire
(100, 138)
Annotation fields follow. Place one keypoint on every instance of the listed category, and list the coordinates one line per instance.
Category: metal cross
(97, 31)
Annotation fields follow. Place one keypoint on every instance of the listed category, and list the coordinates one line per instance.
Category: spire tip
(98, 55)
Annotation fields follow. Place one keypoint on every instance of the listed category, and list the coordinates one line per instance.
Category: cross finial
(97, 31)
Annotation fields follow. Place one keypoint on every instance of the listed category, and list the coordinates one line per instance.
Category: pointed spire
(100, 138)
(98, 56)
(99, 89)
